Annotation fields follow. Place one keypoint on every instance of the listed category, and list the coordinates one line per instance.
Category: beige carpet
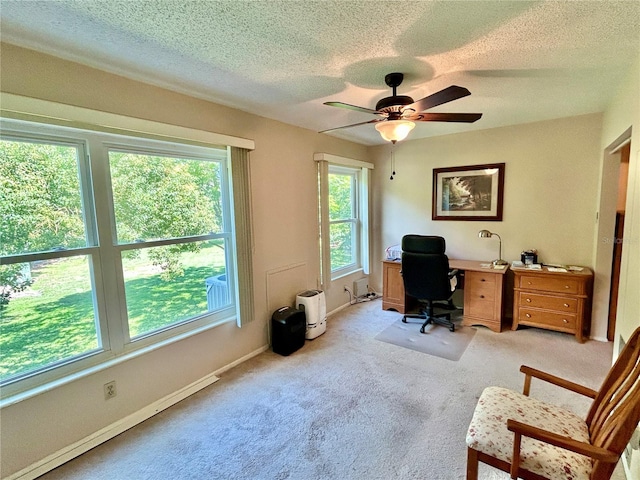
(345, 406)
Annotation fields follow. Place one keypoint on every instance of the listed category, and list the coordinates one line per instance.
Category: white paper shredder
(313, 304)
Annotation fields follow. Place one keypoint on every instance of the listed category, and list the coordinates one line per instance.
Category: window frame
(114, 344)
(326, 162)
(220, 316)
(354, 220)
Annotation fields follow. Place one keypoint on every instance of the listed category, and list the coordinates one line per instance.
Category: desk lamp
(488, 234)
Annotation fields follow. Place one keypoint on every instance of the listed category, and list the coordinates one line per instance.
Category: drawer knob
(528, 315)
(566, 286)
(528, 283)
(566, 305)
(482, 280)
(481, 296)
(528, 300)
(564, 320)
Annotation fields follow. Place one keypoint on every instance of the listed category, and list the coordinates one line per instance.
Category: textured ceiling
(523, 61)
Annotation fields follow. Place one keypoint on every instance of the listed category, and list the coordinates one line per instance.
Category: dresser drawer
(550, 284)
(541, 318)
(549, 302)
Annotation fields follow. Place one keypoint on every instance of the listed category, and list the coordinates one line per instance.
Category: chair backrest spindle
(615, 411)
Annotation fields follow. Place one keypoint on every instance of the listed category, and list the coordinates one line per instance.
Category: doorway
(624, 151)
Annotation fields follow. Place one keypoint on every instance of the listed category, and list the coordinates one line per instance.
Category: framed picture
(468, 193)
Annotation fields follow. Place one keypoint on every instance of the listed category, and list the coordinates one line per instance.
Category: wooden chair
(535, 440)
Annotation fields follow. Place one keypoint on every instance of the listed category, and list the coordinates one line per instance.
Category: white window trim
(17, 107)
(354, 220)
(323, 160)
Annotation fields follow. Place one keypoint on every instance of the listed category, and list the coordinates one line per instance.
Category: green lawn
(54, 320)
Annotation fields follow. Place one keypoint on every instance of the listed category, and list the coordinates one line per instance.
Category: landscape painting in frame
(468, 193)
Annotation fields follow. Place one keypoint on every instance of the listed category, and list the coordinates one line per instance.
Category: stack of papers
(557, 269)
(519, 264)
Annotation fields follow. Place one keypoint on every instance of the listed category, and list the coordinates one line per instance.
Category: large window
(343, 198)
(344, 222)
(171, 236)
(108, 244)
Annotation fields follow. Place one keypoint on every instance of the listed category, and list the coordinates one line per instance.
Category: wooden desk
(483, 292)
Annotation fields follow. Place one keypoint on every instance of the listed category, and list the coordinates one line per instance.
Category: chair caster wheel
(422, 329)
(404, 319)
(452, 329)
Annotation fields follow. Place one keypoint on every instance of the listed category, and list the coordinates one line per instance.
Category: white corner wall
(624, 112)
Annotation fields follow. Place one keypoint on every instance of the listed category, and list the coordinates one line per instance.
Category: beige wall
(284, 196)
(550, 195)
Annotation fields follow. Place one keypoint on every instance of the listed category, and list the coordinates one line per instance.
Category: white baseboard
(78, 448)
(220, 371)
(336, 310)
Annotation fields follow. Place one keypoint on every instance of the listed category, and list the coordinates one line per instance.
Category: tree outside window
(343, 218)
(168, 215)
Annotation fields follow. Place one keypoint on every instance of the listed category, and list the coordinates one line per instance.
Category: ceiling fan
(399, 112)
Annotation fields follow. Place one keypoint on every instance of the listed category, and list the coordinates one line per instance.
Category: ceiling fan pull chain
(393, 162)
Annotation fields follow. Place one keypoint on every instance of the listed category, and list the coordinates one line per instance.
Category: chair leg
(472, 464)
(442, 319)
(426, 322)
(428, 316)
(412, 315)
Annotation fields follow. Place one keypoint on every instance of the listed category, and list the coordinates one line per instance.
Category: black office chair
(427, 277)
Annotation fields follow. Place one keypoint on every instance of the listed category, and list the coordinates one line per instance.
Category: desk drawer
(480, 295)
(480, 308)
(559, 304)
(550, 284)
(477, 279)
(542, 318)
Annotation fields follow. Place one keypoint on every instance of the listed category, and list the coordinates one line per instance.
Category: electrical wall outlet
(110, 390)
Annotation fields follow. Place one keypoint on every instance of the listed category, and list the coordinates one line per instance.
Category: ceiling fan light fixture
(394, 130)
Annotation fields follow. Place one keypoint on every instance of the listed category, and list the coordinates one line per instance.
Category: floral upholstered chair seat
(488, 434)
(534, 440)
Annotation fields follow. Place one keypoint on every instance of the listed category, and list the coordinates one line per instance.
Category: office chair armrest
(561, 382)
(453, 273)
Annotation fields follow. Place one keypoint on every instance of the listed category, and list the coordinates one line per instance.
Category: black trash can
(288, 328)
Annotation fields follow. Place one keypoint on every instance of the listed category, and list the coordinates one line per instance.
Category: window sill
(105, 364)
(346, 274)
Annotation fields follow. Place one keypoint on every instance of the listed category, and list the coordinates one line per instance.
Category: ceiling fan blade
(443, 96)
(352, 125)
(444, 117)
(353, 107)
